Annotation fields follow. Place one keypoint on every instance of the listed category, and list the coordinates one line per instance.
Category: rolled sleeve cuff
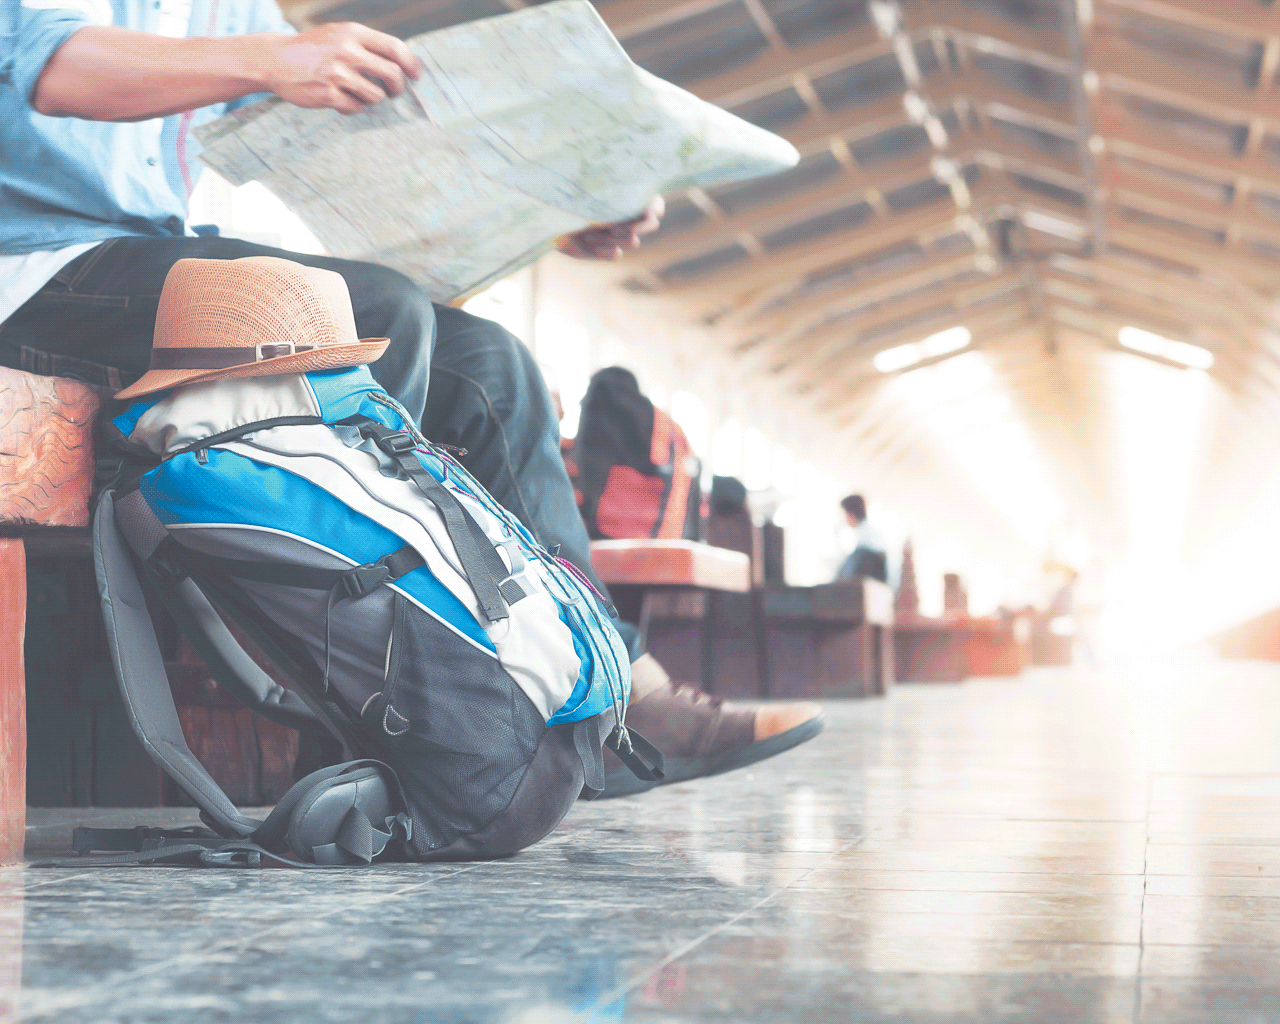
(40, 37)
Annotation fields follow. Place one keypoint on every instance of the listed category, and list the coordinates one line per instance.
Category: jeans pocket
(53, 364)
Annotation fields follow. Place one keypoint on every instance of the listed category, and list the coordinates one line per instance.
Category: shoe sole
(619, 780)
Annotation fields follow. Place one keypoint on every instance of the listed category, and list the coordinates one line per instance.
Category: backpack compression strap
(484, 568)
(144, 685)
(234, 670)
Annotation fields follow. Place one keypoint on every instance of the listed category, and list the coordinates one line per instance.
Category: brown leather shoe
(702, 735)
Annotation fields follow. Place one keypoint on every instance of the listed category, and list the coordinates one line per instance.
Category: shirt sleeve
(30, 34)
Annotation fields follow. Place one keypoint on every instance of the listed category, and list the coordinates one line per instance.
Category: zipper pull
(202, 456)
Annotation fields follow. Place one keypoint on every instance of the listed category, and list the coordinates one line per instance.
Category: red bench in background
(707, 623)
(667, 587)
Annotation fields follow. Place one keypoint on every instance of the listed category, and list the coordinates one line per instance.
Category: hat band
(221, 358)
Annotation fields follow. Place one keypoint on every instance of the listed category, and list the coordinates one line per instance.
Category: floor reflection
(1068, 847)
(11, 909)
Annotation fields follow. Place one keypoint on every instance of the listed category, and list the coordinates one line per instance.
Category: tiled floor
(1067, 847)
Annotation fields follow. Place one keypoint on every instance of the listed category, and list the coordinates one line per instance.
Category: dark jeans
(468, 382)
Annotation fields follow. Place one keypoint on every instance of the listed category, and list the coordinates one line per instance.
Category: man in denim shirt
(98, 99)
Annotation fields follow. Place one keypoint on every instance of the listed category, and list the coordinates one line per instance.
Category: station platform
(1073, 846)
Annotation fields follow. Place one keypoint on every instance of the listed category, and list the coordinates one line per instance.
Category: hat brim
(329, 357)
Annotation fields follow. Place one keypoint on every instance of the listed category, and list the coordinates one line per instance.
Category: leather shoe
(703, 735)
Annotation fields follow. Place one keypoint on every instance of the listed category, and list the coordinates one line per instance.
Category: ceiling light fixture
(1191, 356)
(953, 339)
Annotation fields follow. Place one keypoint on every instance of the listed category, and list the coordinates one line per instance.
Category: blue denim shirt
(64, 180)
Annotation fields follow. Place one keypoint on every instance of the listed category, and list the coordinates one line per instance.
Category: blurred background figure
(868, 557)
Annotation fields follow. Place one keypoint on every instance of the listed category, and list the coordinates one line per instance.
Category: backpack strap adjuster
(397, 442)
(364, 579)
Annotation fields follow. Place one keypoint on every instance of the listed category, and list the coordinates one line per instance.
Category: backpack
(636, 471)
(471, 676)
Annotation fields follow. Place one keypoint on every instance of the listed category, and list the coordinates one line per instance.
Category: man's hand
(609, 241)
(113, 74)
(345, 66)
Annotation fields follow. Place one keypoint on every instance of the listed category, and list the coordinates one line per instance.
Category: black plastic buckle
(231, 858)
(364, 579)
(397, 443)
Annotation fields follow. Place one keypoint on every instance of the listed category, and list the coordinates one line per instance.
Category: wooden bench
(667, 587)
(83, 749)
(706, 623)
(46, 476)
(998, 646)
(830, 640)
(928, 650)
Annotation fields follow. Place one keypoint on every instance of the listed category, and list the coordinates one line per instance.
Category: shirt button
(151, 161)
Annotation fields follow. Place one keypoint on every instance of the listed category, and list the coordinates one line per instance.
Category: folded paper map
(521, 129)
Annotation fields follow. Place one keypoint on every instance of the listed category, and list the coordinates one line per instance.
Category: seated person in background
(97, 102)
(868, 557)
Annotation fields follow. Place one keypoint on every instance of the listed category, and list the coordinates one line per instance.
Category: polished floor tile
(1068, 847)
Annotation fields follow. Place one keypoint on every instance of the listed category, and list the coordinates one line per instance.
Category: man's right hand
(343, 65)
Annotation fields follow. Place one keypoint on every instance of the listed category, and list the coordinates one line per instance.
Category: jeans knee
(489, 354)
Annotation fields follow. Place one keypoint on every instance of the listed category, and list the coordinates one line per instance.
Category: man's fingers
(393, 49)
(381, 70)
(344, 102)
(364, 90)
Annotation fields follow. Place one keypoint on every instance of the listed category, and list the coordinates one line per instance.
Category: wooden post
(13, 704)
(46, 474)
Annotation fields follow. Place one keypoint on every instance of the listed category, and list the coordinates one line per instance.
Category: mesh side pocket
(139, 525)
(455, 726)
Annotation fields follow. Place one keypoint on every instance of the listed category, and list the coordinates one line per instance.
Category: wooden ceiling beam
(774, 70)
(1007, 155)
(1162, 317)
(1001, 190)
(885, 286)
(1177, 246)
(816, 131)
(1244, 19)
(1002, 327)
(818, 348)
(1164, 248)
(1243, 302)
(1127, 134)
(1129, 67)
(843, 189)
(1164, 200)
(632, 17)
(796, 262)
(972, 21)
(1182, 302)
(981, 90)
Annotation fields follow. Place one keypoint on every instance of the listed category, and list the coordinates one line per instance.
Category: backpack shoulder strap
(144, 685)
(227, 660)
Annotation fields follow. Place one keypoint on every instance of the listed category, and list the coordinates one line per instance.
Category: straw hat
(251, 317)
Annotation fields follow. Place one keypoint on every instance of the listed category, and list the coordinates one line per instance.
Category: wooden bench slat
(677, 563)
(46, 449)
(13, 701)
